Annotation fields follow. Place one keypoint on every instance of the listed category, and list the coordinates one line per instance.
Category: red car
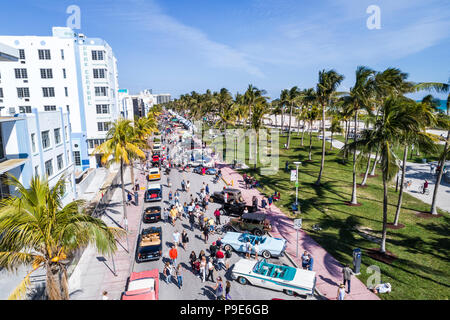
(155, 158)
(143, 286)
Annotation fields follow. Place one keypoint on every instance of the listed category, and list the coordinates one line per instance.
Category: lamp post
(297, 163)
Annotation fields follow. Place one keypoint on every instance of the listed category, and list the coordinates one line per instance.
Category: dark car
(153, 193)
(152, 214)
(254, 222)
(235, 208)
(208, 171)
(233, 195)
(149, 246)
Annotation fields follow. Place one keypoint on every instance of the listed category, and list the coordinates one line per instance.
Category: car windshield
(244, 237)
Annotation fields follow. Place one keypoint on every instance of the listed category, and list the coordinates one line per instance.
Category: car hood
(244, 265)
(274, 243)
(231, 237)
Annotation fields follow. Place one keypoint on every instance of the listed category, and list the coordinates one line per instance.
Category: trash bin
(136, 198)
(357, 260)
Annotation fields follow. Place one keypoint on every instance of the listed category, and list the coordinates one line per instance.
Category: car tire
(289, 292)
(257, 232)
(228, 228)
(243, 281)
(228, 247)
(266, 254)
(223, 212)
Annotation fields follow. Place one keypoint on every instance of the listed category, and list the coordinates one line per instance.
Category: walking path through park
(327, 268)
(96, 273)
(418, 173)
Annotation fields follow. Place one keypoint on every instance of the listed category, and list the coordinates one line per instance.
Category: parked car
(208, 171)
(142, 286)
(149, 246)
(153, 193)
(268, 246)
(254, 222)
(156, 147)
(152, 214)
(233, 195)
(287, 279)
(235, 208)
(154, 174)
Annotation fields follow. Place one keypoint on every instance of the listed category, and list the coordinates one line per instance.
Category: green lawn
(421, 270)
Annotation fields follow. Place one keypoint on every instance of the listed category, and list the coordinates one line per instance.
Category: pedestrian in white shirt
(176, 238)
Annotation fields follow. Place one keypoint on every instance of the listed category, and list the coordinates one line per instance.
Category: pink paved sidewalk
(327, 268)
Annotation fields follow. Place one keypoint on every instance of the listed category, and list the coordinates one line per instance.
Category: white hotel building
(65, 71)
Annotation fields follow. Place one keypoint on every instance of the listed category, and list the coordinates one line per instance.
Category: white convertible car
(287, 279)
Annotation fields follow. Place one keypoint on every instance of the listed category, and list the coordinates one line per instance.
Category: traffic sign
(293, 175)
(297, 224)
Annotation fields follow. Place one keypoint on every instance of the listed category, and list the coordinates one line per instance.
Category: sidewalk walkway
(94, 272)
(327, 268)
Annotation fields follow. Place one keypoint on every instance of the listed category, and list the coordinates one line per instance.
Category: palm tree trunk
(372, 173)
(433, 209)
(132, 173)
(124, 205)
(402, 181)
(364, 181)
(331, 145)
(385, 209)
(322, 163)
(303, 131)
(289, 131)
(347, 132)
(282, 119)
(298, 127)
(54, 287)
(354, 199)
(310, 141)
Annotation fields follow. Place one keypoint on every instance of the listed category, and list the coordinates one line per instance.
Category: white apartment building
(68, 71)
(126, 105)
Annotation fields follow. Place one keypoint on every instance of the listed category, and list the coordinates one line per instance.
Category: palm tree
(121, 142)
(38, 231)
(291, 100)
(259, 112)
(335, 128)
(326, 88)
(386, 132)
(252, 96)
(312, 113)
(442, 88)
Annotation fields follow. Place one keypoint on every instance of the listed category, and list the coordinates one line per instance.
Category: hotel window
(97, 55)
(25, 109)
(48, 92)
(62, 54)
(64, 74)
(36, 171)
(102, 108)
(44, 54)
(99, 73)
(103, 126)
(57, 135)
(21, 54)
(23, 92)
(77, 158)
(66, 91)
(101, 91)
(33, 142)
(46, 74)
(21, 73)
(1, 93)
(49, 108)
(59, 161)
(45, 139)
(49, 167)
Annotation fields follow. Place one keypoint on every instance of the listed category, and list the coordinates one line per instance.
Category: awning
(10, 164)
(9, 119)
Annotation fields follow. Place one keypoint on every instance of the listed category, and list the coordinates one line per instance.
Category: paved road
(193, 288)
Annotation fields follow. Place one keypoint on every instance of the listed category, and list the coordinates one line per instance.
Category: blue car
(268, 246)
(208, 171)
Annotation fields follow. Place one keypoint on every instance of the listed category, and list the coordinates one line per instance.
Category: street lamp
(297, 163)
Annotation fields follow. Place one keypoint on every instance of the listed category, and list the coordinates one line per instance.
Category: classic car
(208, 171)
(153, 193)
(254, 222)
(142, 286)
(154, 174)
(268, 246)
(233, 194)
(235, 208)
(149, 245)
(151, 214)
(287, 279)
(156, 147)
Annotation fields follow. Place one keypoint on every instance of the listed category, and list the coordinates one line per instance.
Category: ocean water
(443, 105)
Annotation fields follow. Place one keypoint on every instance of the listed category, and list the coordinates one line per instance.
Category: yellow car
(154, 174)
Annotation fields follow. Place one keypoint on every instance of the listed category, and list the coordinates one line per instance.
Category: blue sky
(177, 46)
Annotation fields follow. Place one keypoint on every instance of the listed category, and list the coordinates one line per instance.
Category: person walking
(310, 262)
(192, 220)
(248, 249)
(211, 269)
(184, 239)
(225, 197)
(206, 232)
(188, 186)
(270, 200)
(202, 254)
(213, 250)
(347, 272)
(192, 259)
(129, 197)
(219, 289)
(183, 185)
(207, 189)
(227, 290)
(341, 292)
(168, 270)
(179, 274)
(176, 238)
(425, 186)
(170, 195)
(220, 256)
(227, 257)
(173, 254)
(256, 249)
(305, 260)
(203, 264)
(217, 215)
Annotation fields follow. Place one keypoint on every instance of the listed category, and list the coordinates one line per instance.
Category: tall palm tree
(386, 132)
(291, 100)
(121, 142)
(326, 88)
(38, 231)
(335, 128)
(441, 88)
(260, 110)
(312, 113)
